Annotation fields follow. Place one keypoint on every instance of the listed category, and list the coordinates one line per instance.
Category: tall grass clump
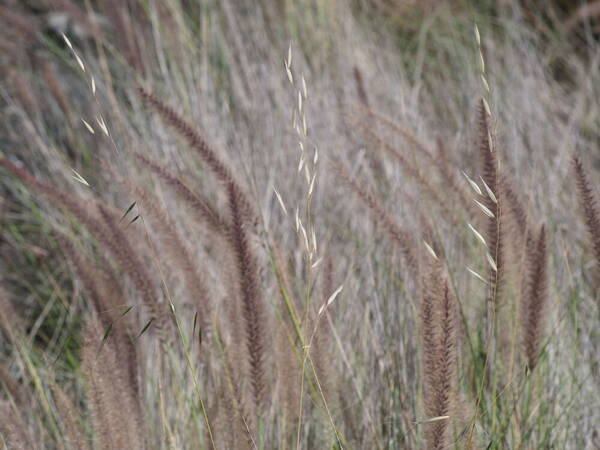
(383, 242)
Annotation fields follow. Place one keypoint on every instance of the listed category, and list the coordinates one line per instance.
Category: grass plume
(250, 293)
(536, 300)
(589, 204)
(439, 357)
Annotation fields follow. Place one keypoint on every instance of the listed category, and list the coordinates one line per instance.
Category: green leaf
(145, 327)
(128, 211)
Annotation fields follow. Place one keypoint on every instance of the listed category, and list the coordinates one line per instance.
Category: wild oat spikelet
(492, 201)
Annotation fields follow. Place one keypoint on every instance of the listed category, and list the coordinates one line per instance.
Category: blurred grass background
(221, 64)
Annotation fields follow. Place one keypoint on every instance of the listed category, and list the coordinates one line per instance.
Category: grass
(388, 241)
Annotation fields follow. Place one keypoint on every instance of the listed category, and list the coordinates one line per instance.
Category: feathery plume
(108, 232)
(140, 277)
(178, 253)
(197, 142)
(514, 204)
(536, 300)
(492, 203)
(113, 404)
(588, 201)
(438, 334)
(200, 205)
(249, 288)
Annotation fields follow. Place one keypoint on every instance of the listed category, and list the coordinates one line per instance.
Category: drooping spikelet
(536, 300)
(197, 142)
(589, 203)
(108, 233)
(200, 205)
(136, 269)
(178, 255)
